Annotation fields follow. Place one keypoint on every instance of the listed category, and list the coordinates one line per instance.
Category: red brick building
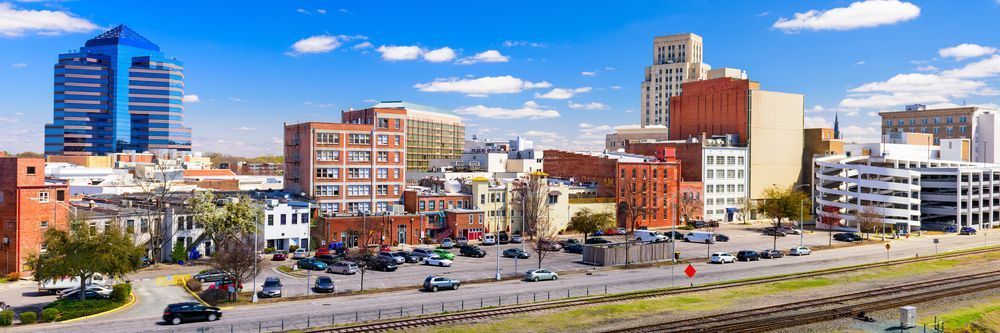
(28, 207)
(688, 153)
(464, 222)
(716, 107)
(654, 186)
(348, 168)
(582, 168)
(386, 229)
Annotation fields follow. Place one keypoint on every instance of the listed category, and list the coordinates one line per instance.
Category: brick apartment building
(28, 207)
(431, 133)
(384, 229)
(582, 168)
(348, 168)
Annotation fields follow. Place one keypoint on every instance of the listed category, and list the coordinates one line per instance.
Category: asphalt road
(293, 314)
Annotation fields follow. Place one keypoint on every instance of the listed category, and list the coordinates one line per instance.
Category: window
(327, 190)
(937, 120)
(31, 171)
(60, 195)
(304, 218)
(359, 173)
(395, 157)
(284, 219)
(327, 173)
(359, 156)
(730, 160)
(397, 138)
(354, 207)
(43, 196)
(381, 206)
(360, 139)
(45, 224)
(382, 190)
(710, 160)
(395, 190)
(395, 174)
(327, 155)
(270, 219)
(383, 156)
(962, 119)
(710, 174)
(295, 218)
(383, 173)
(900, 122)
(948, 120)
(383, 123)
(731, 174)
(383, 140)
(327, 138)
(359, 190)
(397, 123)
(961, 129)
(741, 160)
(430, 205)
(420, 205)
(888, 123)
(923, 121)
(553, 199)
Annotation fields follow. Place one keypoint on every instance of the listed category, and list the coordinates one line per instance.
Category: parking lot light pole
(253, 299)
(802, 229)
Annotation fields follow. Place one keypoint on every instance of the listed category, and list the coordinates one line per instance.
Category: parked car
(445, 254)
(328, 259)
(489, 239)
(422, 253)
(437, 261)
(324, 284)
(598, 233)
(799, 251)
(96, 287)
(574, 248)
(674, 235)
(321, 251)
(697, 224)
(212, 275)
(774, 232)
(568, 241)
(621, 231)
(545, 245)
(472, 251)
(747, 255)
(845, 237)
(503, 238)
(517, 239)
(771, 254)
(950, 229)
(343, 267)
(699, 237)
(312, 264)
(88, 294)
(516, 253)
(392, 257)
(447, 243)
(540, 274)
(177, 313)
(596, 240)
(271, 288)
(721, 238)
(648, 236)
(610, 232)
(967, 231)
(279, 256)
(790, 230)
(384, 264)
(300, 253)
(722, 258)
(461, 240)
(409, 257)
(433, 283)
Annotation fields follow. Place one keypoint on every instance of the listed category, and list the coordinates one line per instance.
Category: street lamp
(802, 229)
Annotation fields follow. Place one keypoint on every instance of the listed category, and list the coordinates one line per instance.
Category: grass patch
(983, 317)
(74, 308)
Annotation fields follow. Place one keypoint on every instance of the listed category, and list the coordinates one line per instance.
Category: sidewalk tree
(588, 222)
(233, 218)
(690, 206)
(631, 207)
(84, 252)
(237, 257)
(538, 227)
(154, 196)
(868, 219)
(782, 202)
(365, 260)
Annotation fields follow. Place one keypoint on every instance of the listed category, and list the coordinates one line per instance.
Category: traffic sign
(937, 241)
(888, 246)
(690, 271)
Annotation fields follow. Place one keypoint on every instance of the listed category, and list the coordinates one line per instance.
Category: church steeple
(836, 126)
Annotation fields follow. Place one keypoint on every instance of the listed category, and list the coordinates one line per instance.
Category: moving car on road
(343, 267)
(177, 313)
(967, 231)
(846, 237)
(437, 261)
(516, 253)
(271, 288)
(771, 254)
(540, 274)
(445, 254)
(433, 283)
(747, 255)
(324, 284)
(472, 251)
(799, 251)
(721, 238)
(722, 258)
(312, 264)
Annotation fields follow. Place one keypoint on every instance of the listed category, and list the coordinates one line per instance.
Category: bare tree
(868, 219)
(631, 207)
(365, 260)
(690, 206)
(369, 234)
(538, 226)
(745, 209)
(237, 257)
(154, 197)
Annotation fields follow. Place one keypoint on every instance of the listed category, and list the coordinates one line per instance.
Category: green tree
(781, 203)
(178, 252)
(588, 222)
(82, 252)
(229, 220)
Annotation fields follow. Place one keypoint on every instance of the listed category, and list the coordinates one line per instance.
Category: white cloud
(530, 110)
(398, 53)
(543, 134)
(585, 73)
(762, 14)
(191, 99)
(362, 45)
(586, 125)
(927, 68)
(482, 86)
(984, 68)
(15, 22)
(858, 133)
(964, 51)
(913, 88)
(303, 11)
(8, 120)
(512, 43)
(321, 11)
(561, 93)
(320, 44)
(319, 105)
(237, 99)
(588, 106)
(244, 129)
(485, 56)
(817, 122)
(19, 65)
(440, 55)
(616, 87)
(861, 62)
(609, 68)
(861, 14)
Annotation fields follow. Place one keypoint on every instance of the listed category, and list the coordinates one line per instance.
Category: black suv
(574, 248)
(674, 235)
(472, 251)
(384, 265)
(846, 237)
(597, 240)
(177, 313)
(328, 259)
(747, 255)
(410, 257)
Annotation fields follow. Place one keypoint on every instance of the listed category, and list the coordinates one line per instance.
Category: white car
(437, 261)
(722, 258)
(489, 240)
(100, 289)
(300, 253)
(799, 251)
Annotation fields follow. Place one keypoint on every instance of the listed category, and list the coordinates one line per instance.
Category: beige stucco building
(676, 60)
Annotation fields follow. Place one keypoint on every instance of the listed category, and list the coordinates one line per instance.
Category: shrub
(292, 248)
(6, 317)
(214, 296)
(29, 317)
(178, 253)
(50, 315)
(72, 308)
(13, 276)
(194, 285)
(120, 292)
(268, 250)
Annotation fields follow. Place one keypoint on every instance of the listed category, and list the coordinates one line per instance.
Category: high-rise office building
(431, 133)
(118, 92)
(676, 60)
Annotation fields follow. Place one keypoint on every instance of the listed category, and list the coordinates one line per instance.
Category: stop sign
(690, 271)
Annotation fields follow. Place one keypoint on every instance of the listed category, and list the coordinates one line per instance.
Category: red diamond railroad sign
(887, 246)
(690, 271)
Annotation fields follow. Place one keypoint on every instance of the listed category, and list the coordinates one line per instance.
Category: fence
(614, 254)
(347, 317)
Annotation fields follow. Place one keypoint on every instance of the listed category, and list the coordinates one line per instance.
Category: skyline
(541, 76)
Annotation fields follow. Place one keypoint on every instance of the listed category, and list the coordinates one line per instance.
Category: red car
(279, 256)
(321, 251)
(611, 232)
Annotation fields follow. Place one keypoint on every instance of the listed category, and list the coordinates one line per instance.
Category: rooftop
(122, 35)
(411, 106)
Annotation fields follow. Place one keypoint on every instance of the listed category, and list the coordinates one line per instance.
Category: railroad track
(826, 308)
(465, 316)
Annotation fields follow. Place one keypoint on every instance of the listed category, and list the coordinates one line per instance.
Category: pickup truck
(56, 285)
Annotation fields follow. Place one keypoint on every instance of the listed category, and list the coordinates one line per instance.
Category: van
(648, 236)
(700, 237)
(53, 286)
(489, 239)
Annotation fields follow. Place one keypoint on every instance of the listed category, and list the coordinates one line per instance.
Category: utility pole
(256, 220)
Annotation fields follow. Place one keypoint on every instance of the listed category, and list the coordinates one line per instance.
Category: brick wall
(714, 107)
(658, 185)
(23, 211)
(582, 168)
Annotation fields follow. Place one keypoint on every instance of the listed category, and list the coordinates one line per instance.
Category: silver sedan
(540, 274)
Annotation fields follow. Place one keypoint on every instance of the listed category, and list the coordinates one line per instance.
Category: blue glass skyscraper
(117, 93)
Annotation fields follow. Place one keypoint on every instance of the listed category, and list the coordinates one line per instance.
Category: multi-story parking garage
(905, 194)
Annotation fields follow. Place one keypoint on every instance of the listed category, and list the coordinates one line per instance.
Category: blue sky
(254, 65)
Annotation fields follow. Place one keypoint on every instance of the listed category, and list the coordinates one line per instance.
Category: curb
(199, 297)
(123, 307)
